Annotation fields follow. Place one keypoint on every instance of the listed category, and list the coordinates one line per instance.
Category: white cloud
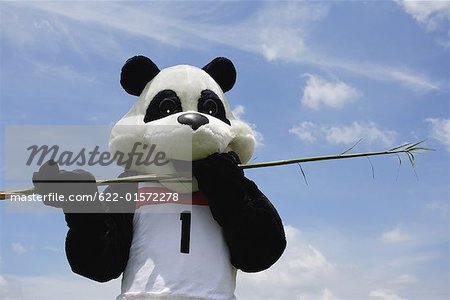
(394, 236)
(346, 134)
(302, 272)
(411, 79)
(238, 112)
(405, 279)
(370, 132)
(441, 207)
(305, 131)
(3, 287)
(431, 14)
(384, 295)
(69, 287)
(277, 31)
(440, 130)
(18, 248)
(444, 41)
(52, 249)
(3, 282)
(64, 72)
(335, 94)
(327, 295)
(280, 32)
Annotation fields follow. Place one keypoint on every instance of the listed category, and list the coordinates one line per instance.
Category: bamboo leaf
(351, 148)
(399, 147)
(412, 161)
(303, 173)
(414, 145)
(399, 166)
(371, 165)
(422, 149)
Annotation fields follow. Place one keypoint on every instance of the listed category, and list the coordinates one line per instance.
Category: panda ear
(136, 73)
(222, 70)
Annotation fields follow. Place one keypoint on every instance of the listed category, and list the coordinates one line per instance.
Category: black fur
(99, 238)
(156, 110)
(222, 70)
(98, 245)
(139, 70)
(136, 73)
(209, 103)
(252, 227)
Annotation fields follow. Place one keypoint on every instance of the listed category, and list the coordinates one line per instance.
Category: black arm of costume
(252, 227)
(97, 244)
(255, 235)
(99, 248)
(99, 236)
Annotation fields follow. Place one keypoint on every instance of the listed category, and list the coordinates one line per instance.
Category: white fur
(179, 141)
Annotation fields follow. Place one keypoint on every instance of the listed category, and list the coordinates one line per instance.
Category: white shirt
(161, 266)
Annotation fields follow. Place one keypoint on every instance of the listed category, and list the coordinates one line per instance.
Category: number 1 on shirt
(185, 218)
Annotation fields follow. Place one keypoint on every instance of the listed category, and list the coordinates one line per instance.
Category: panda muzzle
(194, 120)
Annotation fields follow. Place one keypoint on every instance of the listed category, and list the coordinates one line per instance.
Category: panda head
(182, 110)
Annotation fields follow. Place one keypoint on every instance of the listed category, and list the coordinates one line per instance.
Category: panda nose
(193, 119)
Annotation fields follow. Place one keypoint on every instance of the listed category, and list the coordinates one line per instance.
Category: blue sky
(313, 78)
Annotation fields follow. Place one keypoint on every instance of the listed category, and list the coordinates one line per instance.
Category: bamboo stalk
(315, 158)
(409, 149)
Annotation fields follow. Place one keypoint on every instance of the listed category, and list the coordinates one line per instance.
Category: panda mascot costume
(181, 249)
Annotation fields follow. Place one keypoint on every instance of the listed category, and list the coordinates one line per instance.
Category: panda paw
(217, 168)
(61, 189)
(222, 181)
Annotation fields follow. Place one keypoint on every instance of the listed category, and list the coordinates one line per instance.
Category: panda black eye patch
(165, 103)
(209, 103)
